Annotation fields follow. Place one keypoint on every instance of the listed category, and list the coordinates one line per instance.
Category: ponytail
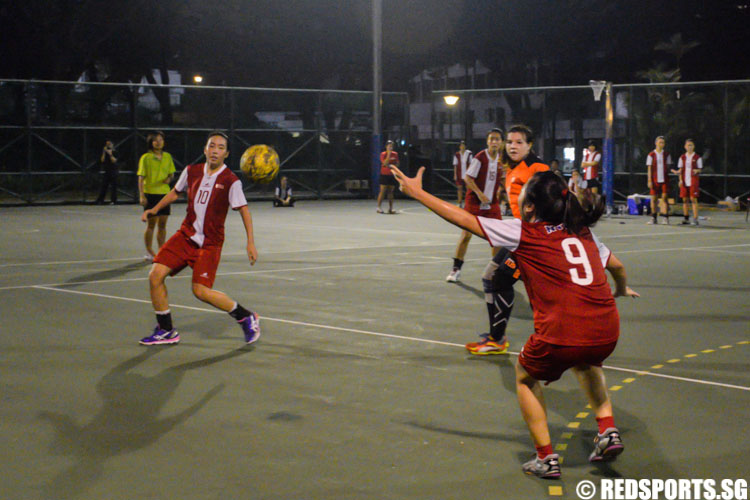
(553, 203)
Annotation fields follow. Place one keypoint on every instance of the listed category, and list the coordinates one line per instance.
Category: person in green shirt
(155, 172)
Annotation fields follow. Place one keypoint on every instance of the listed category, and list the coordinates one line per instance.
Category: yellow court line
(582, 414)
(555, 491)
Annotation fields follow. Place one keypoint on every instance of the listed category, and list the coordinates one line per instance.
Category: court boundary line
(266, 271)
(386, 335)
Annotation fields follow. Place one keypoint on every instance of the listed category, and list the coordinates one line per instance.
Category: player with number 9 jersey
(564, 278)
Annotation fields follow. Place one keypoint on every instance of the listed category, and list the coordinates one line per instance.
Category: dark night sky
(327, 43)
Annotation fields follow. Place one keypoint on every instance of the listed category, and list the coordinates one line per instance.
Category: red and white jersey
(690, 166)
(564, 278)
(209, 199)
(460, 163)
(487, 174)
(659, 163)
(592, 171)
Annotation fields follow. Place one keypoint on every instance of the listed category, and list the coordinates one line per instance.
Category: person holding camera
(108, 167)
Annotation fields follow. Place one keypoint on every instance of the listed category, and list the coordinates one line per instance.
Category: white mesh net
(597, 86)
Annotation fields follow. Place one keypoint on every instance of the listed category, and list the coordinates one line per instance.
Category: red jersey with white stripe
(690, 166)
(564, 278)
(659, 163)
(592, 171)
(209, 199)
(486, 173)
(461, 162)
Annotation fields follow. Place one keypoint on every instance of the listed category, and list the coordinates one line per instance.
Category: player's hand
(145, 214)
(252, 253)
(629, 292)
(410, 186)
(483, 198)
(143, 201)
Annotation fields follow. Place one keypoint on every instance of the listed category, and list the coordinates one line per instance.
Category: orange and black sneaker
(487, 346)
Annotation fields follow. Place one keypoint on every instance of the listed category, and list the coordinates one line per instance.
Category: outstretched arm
(617, 270)
(412, 186)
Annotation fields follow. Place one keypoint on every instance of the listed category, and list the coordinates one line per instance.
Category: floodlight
(450, 100)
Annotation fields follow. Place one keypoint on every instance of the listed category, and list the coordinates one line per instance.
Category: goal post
(608, 146)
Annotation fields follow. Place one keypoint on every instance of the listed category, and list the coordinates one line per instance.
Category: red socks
(543, 451)
(605, 423)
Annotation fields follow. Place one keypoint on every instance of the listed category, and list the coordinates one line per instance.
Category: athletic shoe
(161, 337)
(251, 327)
(665, 221)
(453, 276)
(685, 222)
(652, 221)
(549, 468)
(148, 257)
(380, 211)
(694, 223)
(487, 346)
(607, 446)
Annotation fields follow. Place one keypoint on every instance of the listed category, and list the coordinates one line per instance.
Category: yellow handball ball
(260, 163)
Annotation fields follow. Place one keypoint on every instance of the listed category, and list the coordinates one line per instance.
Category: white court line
(385, 335)
(315, 268)
(233, 254)
(680, 248)
(239, 273)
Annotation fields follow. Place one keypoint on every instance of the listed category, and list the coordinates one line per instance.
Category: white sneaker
(148, 257)
(694, 223)
(453, 276)
(665, 221)
(651, 221)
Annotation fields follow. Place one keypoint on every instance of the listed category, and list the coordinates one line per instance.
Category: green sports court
(359, 387)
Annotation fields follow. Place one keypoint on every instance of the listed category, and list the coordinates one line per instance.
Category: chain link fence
(716, 115)
(52, 135)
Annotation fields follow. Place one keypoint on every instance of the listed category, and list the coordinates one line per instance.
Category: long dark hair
(554, 204)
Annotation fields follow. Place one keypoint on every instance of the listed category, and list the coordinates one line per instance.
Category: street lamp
(197, 79)
(450, 100)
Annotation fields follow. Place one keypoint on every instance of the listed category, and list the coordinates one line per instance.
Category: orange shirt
(516, 177)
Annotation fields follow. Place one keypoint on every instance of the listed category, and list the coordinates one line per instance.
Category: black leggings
(498, 279)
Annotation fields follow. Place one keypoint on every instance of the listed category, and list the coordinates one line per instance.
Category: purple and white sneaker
(161, 337)
(251, 328)
(607, 446)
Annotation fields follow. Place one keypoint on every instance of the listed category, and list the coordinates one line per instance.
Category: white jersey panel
(502, 233)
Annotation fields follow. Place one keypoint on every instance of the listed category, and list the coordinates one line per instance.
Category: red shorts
(545, 361)
(689, 191)
(494, 211)
(658, 188)
(180, 251)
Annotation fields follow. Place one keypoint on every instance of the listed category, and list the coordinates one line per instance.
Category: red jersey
(461, 163)
(209, 199)
(487, 174)
(659, 163)
(689, 169)
(591, 172)
(392, 160)
(564, 278)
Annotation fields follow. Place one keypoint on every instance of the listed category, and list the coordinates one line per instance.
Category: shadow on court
(109, 273)
(521, 307)
(128, 421)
